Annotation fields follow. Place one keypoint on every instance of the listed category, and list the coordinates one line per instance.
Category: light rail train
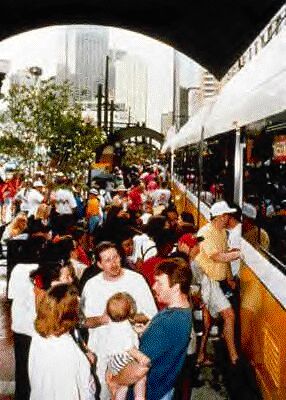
(235, 149)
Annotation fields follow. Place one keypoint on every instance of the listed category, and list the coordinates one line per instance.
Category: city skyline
(45, 47)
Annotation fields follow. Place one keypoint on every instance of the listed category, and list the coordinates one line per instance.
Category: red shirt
(152, 185)
(81, 254)
(135, 199)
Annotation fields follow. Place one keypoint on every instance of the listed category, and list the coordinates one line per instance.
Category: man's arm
(94, 322)
(225, 256)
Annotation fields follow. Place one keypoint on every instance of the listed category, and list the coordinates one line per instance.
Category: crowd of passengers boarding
(101, 297)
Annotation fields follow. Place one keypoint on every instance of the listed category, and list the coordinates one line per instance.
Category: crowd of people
(104, 288)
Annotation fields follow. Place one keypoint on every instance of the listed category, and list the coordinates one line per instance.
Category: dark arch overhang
(213, 33)
(130, 132)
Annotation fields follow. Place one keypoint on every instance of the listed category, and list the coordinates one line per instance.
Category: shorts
(118, 361)
(93, 223)
(213, 296)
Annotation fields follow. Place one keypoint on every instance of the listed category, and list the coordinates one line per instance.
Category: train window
(208, 170)
(264, 191)
(218, 168)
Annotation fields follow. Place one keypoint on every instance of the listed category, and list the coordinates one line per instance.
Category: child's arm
(140, 389)
(140, 357)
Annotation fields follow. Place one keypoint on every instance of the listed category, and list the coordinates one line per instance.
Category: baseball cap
(249, 210)
(94, 191)
(120, 187)
(220, 208)
(190, 240)
(38, 184)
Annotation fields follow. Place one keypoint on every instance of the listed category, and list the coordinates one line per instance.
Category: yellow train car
(262, 307)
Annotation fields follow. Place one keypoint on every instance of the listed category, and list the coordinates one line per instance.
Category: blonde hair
(19, 224)
(58, 311)
(43, 211)
(121, 306)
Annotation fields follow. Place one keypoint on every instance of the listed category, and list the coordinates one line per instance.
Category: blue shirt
(165, 342)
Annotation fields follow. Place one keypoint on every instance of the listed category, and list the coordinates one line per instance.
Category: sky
(44, 48)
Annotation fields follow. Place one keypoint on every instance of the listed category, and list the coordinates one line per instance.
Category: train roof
(213, 33)
(255, 93)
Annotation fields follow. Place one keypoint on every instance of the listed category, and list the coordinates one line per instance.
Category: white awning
(257, 91)
(190, 132)
(171, 133)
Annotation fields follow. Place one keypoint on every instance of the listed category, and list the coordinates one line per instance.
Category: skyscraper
(208, 87)
(131, 86)
(91, 49)
(4, 69)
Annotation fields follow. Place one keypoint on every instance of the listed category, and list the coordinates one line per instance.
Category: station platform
(216, 382)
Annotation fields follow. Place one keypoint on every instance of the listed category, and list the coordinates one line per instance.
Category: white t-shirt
(65, 201)
(95, 295)
(34, 199)
(121, 337)
(58, 370)
(22, 196)
(145, 217)
(144, 247)
(161, 197)
(21, 291)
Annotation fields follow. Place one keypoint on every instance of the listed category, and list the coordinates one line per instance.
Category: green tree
(45, 113)
(138, 154)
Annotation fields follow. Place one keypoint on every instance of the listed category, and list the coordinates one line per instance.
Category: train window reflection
(217, 171)
(264, 208)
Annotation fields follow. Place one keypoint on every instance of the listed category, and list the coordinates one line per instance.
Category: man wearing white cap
(31, 197)
(214, 260)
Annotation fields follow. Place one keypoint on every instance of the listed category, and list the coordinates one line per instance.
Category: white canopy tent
(257, 91)
(170, 135)
(190, 132)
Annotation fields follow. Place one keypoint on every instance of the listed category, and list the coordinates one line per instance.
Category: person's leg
(21, 349)
(204, 338)
(228, 333)
(121, 394)
(140, 389)
(92, 225)
(185, 380)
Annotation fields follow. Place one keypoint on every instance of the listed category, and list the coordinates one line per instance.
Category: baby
(122, 343)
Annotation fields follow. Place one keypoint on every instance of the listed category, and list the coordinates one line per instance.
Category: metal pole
(99, 105)
(112, 108)
(105, 121)
(238, 168)
(172, 167)
(200, 175)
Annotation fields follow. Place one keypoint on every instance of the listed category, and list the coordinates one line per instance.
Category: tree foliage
(44, 112)
(139, 154)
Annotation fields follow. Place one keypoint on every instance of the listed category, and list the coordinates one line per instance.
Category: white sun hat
(220, 208)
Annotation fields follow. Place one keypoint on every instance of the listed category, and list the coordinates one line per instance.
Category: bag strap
(146, 251)
(76, 335)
